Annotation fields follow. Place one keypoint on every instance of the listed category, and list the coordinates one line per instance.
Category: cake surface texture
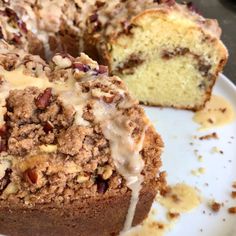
(78, 155)
(167, 54)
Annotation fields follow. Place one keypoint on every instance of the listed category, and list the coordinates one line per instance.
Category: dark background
(225, 12)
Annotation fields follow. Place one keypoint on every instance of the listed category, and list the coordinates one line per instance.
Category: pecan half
(43, 100)
(93, 17)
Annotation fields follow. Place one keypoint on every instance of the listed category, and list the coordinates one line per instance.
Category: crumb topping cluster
(53, 129)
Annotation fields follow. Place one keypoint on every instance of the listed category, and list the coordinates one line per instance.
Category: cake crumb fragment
(233, 194)
(232, 210)
(172, 215)
(213, 135)
(234, 184)
(215, 206)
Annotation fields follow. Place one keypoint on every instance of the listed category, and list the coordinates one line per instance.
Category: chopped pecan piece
(81, 66)
(31, 176)
(5, 180)
(48, 126)
(42, 101)
(102, 69)
(102, 185)
(93, 17)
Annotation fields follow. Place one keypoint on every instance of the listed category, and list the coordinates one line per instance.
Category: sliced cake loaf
(78, 156)
(167, 54)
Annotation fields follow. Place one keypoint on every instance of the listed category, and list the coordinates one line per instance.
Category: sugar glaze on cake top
(85, 82)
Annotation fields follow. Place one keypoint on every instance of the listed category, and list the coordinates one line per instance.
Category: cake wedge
(78, 154)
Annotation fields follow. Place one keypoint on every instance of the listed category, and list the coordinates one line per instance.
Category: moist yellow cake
(172, 58)
(167, 54)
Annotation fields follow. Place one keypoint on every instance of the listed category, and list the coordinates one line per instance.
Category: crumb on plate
(213, 135)
(215, 206)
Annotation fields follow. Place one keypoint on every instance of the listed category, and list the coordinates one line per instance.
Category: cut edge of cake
(170, 53)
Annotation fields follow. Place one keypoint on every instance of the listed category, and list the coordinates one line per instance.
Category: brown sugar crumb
(233, 194)
(234, 184)
(215, 206)
(209, 136)
(159, 225)
(156, 225)
(210, 121)
(232, 210)
(175, 198)
(173, 215)
(165, 191)
(223, 110)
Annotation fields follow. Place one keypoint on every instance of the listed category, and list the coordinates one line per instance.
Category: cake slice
(78, 155)
(171, 57)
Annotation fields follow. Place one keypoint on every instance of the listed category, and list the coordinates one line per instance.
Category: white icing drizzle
(128, 162)
(125, 152)
(77, 99)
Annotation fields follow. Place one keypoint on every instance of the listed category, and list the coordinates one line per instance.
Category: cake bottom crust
(103, 217)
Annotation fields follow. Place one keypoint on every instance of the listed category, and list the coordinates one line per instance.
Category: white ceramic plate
(177, 130)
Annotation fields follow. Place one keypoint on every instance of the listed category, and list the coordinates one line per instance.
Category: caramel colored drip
(127, 159)
(217, 112)
(181, 198)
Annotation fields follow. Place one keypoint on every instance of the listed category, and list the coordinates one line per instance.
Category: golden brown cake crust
(102, 217)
